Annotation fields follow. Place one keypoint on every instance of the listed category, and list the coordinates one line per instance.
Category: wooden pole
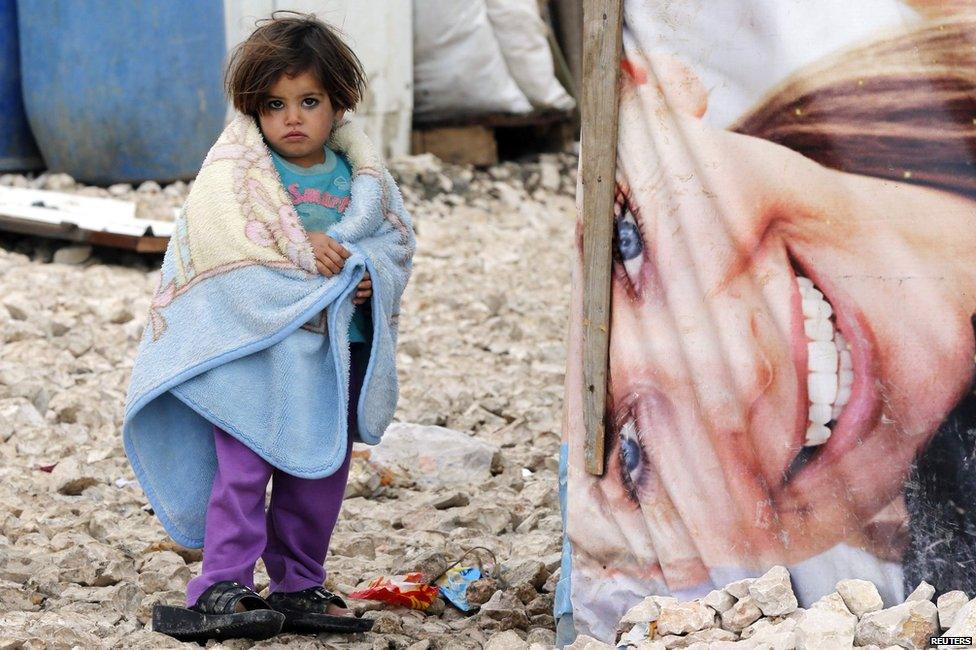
(602, 30)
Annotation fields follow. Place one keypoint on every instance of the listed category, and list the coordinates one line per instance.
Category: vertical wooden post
(602, 27)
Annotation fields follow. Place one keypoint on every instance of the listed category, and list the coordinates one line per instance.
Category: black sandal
(306, 612)
(215, 616)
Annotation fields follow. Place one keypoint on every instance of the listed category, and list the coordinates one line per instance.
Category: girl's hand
(364, 290)
(330, 255)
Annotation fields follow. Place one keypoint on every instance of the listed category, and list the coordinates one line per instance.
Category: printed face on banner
(792, 348)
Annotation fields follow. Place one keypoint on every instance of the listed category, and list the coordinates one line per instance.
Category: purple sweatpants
(292, 537)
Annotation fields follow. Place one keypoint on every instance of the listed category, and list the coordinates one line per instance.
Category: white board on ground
(58, 210)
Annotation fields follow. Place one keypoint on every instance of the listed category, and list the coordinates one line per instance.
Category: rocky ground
(763, 614)
(83, 560)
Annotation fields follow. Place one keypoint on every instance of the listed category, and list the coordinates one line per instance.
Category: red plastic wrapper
(407, 590)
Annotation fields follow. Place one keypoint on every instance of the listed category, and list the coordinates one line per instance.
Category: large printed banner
(794, 281)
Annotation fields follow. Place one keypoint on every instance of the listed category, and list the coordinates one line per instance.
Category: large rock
(719, 599)
(708, 636)
(949, 605)
(908, 625)
(507, 610)
(522, 572)
(480, 591)
(822, 629)
(435, 456)
(87, 562)
(860, 596)
(365, 479)
(584, 642)
(740, 588)
(17, 414)
(71, 477)
(684, 618)
(964, 623)
(431, 563)
(741, 615)
(18, 306)
(924, 591)
(780, 636)
(646, 611)
(541, 636)
(773, 592)
(507, 640)
(833, 602)
(61, 630)
(165, 571)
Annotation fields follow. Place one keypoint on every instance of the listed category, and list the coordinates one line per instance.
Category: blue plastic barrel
(123, 90)
(18, 152)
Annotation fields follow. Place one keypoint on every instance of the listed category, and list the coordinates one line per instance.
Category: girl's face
(762, 302)
(297, 119)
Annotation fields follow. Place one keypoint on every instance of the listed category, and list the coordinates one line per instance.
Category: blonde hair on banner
(901, 107)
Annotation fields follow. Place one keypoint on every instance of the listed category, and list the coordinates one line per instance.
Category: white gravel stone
(507, 640)
(741, 615)
(18, 306)
(719, 599)
(549, 176)
(964, 623)
(709, 637)
(949, 605)
(58, 182)
(781, 636)
(833, 602)
(908, 625)
(924, 591)
(71, 477)
(773, 592)
(17, 414)
(860, 596)
(646, 611)
(684, 618)
(584, 642)
(120, 190)
(72, 255)
(739, 588)
(450, 457)
(822, 629)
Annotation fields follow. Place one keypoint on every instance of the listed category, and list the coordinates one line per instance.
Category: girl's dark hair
(292, 45)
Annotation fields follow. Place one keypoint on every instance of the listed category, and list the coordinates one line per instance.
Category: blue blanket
(244, 333)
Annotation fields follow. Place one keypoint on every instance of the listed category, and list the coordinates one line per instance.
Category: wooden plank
(602, 27)
(537, 117)
(471, 145)
(138, 244)
(25, 198)
(60, 215)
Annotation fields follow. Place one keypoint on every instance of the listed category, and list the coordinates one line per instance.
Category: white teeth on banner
(822, 356)
(829, 364)
(822, 387)
(818, 330)
(817, 434)
(821, 414)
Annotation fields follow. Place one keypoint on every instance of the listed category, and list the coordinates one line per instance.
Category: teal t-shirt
(321, 194)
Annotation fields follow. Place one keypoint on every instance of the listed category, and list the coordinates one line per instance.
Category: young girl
(296, 78)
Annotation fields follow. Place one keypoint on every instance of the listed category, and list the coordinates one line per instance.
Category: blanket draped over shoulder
(244, 333)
